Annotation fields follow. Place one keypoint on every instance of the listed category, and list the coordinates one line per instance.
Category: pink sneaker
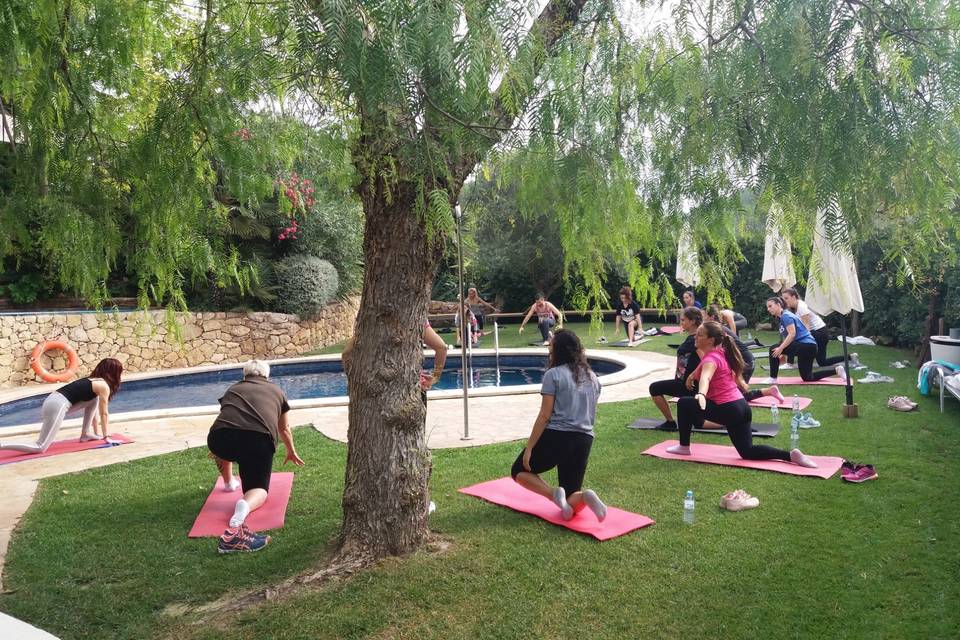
(738, 501)
(864, 473)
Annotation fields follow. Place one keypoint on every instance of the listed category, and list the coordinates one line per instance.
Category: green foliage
(166, 127)
(514, 256)
(305, 285)
(152, 131)
(333, 231)
(26, 288)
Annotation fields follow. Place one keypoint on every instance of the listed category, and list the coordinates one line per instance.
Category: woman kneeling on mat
(687, 360)
(795, 340)
(720, 399)
(563, 432)
(253, 414)
(92, 394)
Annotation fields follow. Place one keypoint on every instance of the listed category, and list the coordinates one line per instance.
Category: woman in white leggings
(91, 394)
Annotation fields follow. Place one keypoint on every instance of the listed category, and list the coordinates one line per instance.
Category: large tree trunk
(388, 464)
(385, 495)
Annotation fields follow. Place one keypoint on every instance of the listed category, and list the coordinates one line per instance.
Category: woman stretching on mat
(253, 414)
(547, 316)
(563, 431)
(687, 360)
(628, 311)
(796, 341)
(92, 394)
(719, 398)
(815, 325)
(728, 318)
(749, 365)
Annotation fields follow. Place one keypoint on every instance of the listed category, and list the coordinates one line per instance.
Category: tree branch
(555, 21)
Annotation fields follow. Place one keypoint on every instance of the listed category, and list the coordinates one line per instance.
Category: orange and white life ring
(73, 362)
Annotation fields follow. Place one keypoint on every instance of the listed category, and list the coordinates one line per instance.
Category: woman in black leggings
(814, 324)
(687, 360)
(720, 399)
(795, 341)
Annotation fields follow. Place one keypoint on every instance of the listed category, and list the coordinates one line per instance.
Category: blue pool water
(304, 380)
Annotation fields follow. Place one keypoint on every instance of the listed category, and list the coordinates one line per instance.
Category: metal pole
(464, 327)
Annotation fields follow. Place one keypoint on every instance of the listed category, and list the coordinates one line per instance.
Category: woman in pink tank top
(719, 398)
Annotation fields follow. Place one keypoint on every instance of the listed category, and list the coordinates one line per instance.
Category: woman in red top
(720, 399)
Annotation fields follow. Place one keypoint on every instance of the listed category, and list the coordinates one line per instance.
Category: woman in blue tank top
(795, 340)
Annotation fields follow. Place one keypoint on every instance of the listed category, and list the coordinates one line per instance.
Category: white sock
(231, 486)
(560, 499)
(240, 513)
(797, 457)
(679, 449)
(595, 504)
(87, 437)
(841, 372)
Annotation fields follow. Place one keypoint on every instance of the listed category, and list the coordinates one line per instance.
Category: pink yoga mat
(719, 454)
(215, 514)
(769, 401)
(670, 329)
(508, 493)
(836, 381)
(62, 446)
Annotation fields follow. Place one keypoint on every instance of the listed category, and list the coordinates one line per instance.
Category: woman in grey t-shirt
(563, 431)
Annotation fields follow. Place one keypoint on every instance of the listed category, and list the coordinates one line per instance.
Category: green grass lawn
(104, 553)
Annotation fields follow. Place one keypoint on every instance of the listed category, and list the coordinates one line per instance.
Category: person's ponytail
(734, 360)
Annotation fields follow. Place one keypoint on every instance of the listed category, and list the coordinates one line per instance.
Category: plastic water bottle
(795, 419)
(688, 506)
(775, 415)
(794, 434)
(749, 336)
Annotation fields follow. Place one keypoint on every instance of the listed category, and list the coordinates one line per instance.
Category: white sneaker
(738, 501)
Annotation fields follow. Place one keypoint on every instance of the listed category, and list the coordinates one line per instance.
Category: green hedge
(306, 284)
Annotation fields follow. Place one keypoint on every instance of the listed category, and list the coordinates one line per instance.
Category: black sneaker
(668, 425)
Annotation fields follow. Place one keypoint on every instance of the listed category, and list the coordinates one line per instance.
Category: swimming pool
(308, 380)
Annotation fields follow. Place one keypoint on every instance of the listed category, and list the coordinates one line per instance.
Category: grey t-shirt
(574, 406)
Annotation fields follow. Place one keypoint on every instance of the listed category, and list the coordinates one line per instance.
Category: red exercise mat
(836, 381)
(728, 456)
(215, 514)
(63, 446)
(769, 401)
(507, 493)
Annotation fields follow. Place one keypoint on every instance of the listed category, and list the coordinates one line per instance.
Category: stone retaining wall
(143, 341)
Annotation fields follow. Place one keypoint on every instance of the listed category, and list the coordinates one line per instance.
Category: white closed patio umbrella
(778, 271)
(688, 267)
(833, 284)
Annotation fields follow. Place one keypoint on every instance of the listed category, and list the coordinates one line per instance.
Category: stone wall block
(142, 342)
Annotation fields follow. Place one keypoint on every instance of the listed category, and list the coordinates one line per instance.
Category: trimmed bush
(334, 232)
(306, 284)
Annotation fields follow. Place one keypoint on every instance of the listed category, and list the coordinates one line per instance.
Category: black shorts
(568, 451)
(252, 450)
